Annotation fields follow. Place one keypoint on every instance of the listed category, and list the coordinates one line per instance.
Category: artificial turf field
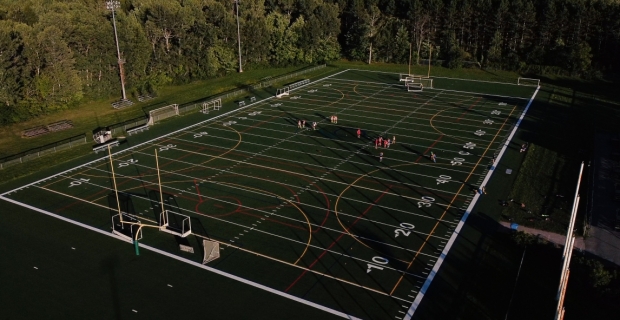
(311, 215)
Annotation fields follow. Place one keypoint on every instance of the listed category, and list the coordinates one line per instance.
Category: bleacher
(103, 146)
(123, 103)
(52, 127)
(137, 129)
(147, 97)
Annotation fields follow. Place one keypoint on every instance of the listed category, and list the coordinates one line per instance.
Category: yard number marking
(404, 230)
(458, 161)
(312, 91)
(78, 182)
(502, 103)
(479, 133)
(126, 163)
(276, 104)
(496, 112)
(225, 124)
(464, 153)
(254, 113)
(426, 202)
(167, 147)
(488, 121)
(199, 134)
(443, 179)
(295, 97)
(327, 85)
(469, 145)
(377, 261)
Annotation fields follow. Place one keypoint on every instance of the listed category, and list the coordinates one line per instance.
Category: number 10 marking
(378, 260)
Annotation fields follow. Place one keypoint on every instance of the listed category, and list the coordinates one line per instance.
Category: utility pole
(238, 36)
(113, 5)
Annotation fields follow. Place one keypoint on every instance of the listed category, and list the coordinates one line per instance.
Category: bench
(103, 146)
(138, 129)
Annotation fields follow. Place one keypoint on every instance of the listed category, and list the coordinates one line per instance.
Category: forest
(54, 54)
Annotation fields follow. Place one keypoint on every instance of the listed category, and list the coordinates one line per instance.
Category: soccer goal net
(282, 92)
(127, 227)
(414, 87)
(212, 250)
(175, 223)
(211, 105)
(405, 77)
(163, 113)
(528, 82)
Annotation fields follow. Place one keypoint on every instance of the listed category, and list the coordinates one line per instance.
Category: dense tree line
(54, 53)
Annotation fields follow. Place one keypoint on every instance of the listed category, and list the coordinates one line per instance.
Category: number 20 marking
(405, 231)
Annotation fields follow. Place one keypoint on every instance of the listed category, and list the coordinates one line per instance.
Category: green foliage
(56, 53)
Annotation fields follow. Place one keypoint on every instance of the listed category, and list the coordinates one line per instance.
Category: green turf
(315, 207)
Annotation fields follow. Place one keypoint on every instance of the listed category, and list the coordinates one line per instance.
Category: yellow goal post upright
(170, 221)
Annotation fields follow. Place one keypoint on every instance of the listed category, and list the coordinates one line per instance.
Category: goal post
(128, 228)
(211, 105)
(405, 77)
(163, 113)
(414, 87)
(211, 250)
(282, 92)
(175, 223)
(528, 82)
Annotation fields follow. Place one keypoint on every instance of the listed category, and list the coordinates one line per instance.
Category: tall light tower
(238, 35)
(112, 5)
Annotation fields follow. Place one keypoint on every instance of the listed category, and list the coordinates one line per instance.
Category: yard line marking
(446, 210)
(445, 251)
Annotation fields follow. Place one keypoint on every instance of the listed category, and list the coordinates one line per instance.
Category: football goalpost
(282, 92)
(528, 82)
(211, 105)
(212, 250)
(163, 113)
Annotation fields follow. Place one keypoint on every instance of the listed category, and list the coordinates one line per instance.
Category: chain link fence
(40, 151)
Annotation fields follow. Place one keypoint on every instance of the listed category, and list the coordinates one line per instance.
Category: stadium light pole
(112, 5)
(238, 35)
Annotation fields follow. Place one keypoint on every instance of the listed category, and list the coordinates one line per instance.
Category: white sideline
(455, 234)
(193, 263)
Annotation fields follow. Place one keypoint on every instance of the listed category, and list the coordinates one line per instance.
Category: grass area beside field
(93, 114)
(541, 195)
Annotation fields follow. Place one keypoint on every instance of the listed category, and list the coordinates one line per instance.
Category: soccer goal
(414, 87)
(212, 250)
(128, 228)
(175, 223)
(282, 92)
(406, 77)
(211, 105)
(528, 82)
(163, 113)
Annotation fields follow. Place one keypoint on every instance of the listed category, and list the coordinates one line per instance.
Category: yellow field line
(448, 207)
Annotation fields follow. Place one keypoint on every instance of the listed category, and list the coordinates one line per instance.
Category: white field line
(190, 262)
(163, 136)
(433, 77)
(447, 248)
